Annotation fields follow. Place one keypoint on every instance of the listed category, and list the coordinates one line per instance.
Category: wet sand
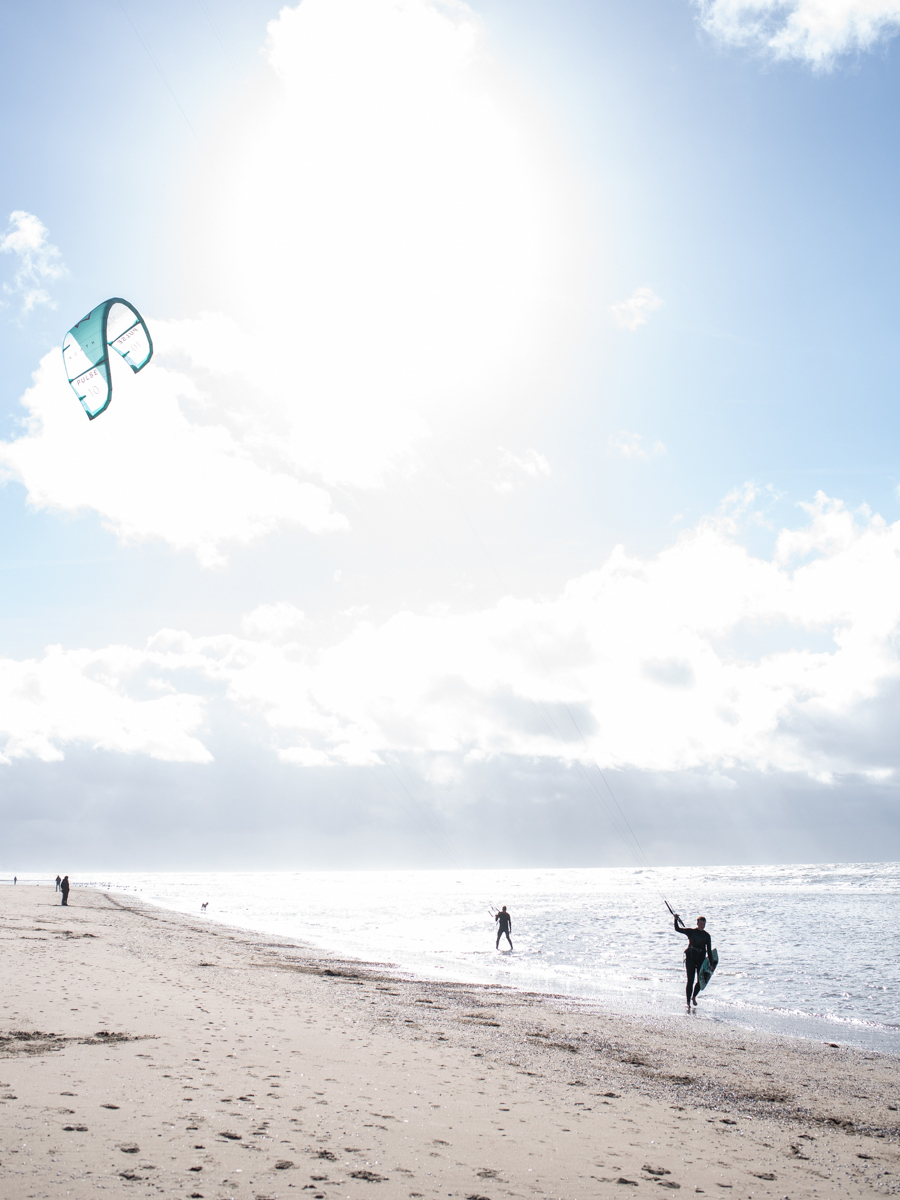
(145, 1053)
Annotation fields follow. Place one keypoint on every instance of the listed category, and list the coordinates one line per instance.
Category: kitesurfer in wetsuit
(504, 926)
(698, 948)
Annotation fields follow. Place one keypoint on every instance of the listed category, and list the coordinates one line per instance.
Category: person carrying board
(699, 948)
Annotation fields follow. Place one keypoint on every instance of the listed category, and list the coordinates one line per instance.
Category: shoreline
(225, 1055)
(854, 1032)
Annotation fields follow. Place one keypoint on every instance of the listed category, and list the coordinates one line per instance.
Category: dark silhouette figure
(15, 880)
(504, 925)
(58, 882)
(698, 948)
(203, 906)
(64, 888)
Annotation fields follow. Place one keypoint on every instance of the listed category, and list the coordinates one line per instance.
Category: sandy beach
(147, 1053)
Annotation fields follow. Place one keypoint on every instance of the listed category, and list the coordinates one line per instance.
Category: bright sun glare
(392, 228)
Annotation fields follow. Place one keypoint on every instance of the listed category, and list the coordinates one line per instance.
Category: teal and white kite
(85, 350)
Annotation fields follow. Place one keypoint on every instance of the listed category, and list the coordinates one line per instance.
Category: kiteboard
(707, 967)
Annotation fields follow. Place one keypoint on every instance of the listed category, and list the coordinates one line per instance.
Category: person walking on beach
(64, 888)
(58, 882)
(698, 948)
(504, 925)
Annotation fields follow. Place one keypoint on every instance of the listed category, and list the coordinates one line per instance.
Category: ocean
(808, 950)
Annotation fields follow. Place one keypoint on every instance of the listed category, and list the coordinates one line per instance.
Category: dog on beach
(203, 906)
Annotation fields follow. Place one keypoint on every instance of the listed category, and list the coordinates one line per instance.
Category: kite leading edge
(85, 350)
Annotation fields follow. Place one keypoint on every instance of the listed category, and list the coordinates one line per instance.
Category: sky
(513, 482)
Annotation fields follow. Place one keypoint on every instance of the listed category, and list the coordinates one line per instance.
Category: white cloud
(275, 622)
(703, 657)
(153, 467)
(632, 445)
(80, 697)
(813, 31)
(398, 256)
(516, 469)
(39, 260)
(633, 312)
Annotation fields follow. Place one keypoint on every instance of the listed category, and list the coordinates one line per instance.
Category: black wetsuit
(504, 925)
(64, 888)
(698, 948)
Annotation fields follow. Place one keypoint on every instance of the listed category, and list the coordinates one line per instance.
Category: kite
(85, 350)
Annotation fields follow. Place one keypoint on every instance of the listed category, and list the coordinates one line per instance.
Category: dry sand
(145, 1053)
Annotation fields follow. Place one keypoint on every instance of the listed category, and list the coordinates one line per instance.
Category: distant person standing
(58, 882)
(64, 888)
(15, 880)
(698, 949)
(504, 925)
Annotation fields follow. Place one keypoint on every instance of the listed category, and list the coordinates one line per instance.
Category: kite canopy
(113, 323)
